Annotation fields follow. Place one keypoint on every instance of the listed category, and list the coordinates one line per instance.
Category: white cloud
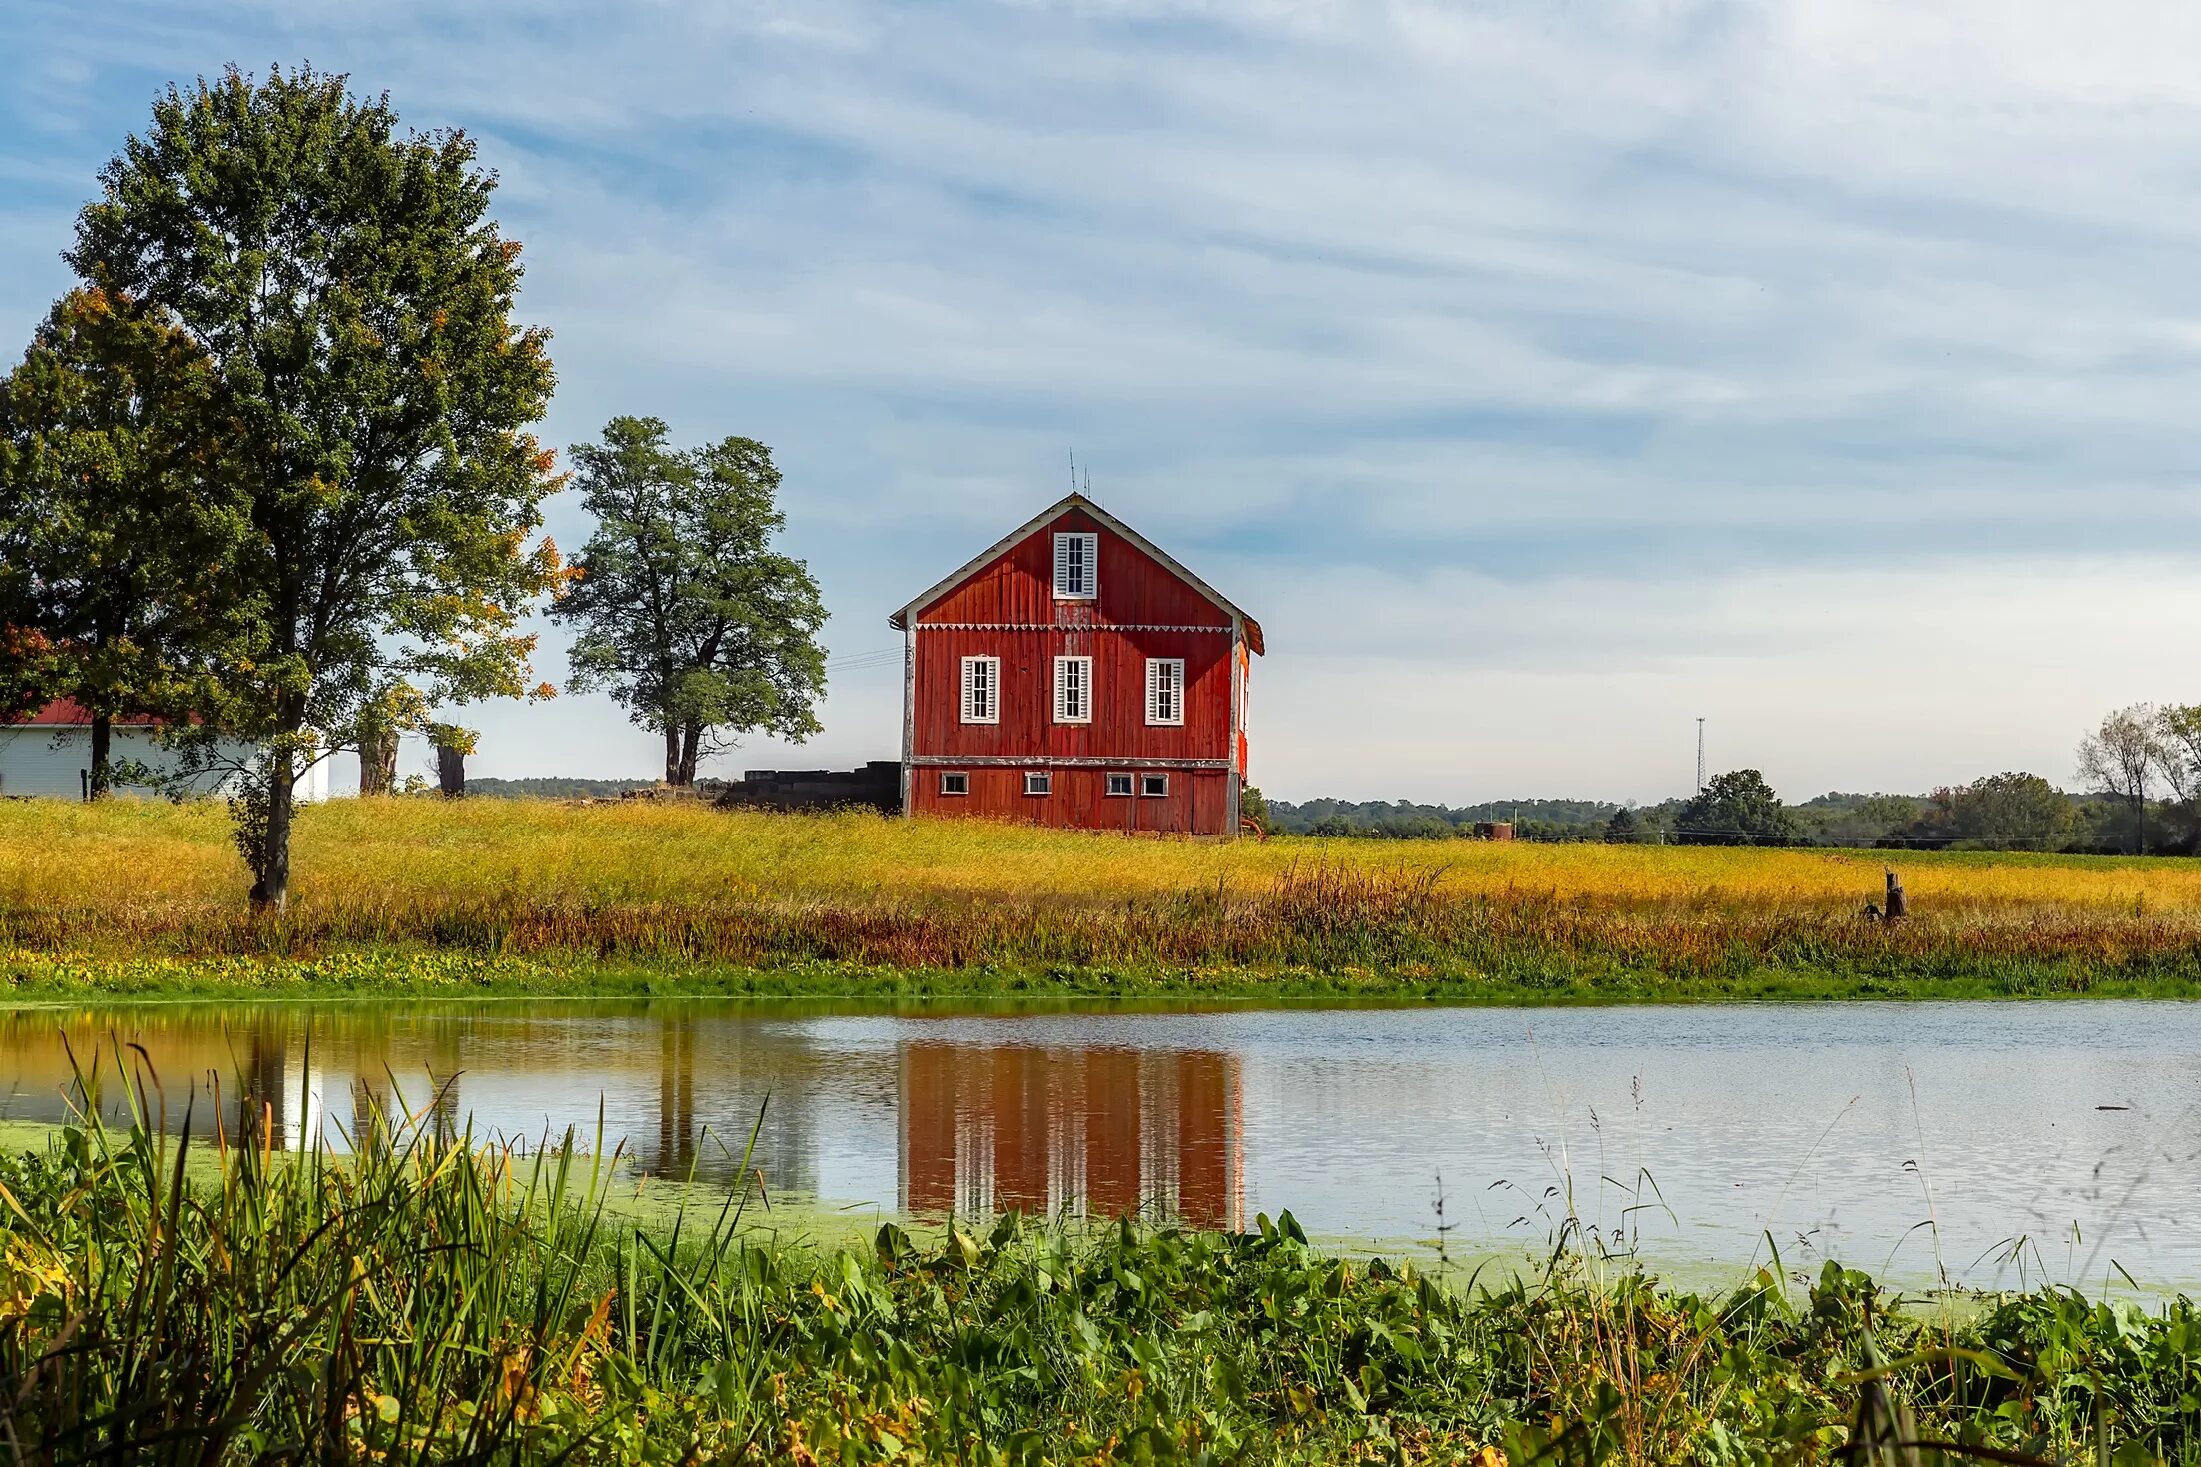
(1655, 355)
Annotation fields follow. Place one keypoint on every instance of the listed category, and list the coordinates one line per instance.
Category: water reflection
(1089, 1132)
(1910, 1139)
(682, 1093)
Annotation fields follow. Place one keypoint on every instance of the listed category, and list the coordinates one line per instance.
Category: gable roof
(901, 619)
(68, 713)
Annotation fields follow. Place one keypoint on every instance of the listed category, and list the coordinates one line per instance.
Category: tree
(1738, 808)
(114, 524)
(2120, 759)
(2010, 809)
(354, 300)
(1625, 828)
(698, 626)
(1252, 806)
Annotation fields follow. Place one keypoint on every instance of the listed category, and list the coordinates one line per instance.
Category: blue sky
(1543, 375)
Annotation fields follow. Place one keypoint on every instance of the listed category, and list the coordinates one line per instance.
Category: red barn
(1074, 674)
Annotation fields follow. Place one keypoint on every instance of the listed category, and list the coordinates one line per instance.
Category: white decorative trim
(1048, 626)
(1027, 761)
(909, 720)
(1048, 516)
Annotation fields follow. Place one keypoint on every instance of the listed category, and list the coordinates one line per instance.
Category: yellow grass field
(650, 881)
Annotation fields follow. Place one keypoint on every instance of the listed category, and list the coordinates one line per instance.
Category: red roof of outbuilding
(67, 712)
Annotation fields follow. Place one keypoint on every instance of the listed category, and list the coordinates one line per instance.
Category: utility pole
(1700, 756)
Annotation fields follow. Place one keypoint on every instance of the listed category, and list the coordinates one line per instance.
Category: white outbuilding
(49, 755)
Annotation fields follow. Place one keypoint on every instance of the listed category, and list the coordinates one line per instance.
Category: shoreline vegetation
(431, 1298)
(420, 896)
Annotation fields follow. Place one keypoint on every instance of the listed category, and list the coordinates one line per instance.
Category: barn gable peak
(901, 619)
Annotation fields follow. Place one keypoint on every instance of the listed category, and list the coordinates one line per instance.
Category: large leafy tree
(117, 521)
(1996, 810)
(700, 628)
(355, 301)
(1736, 809)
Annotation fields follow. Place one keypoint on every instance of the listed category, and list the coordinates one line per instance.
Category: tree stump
(1896, 908)
(451, 769)
(378, 763)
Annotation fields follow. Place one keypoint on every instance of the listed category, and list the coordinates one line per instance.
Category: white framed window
(982, 690)
(1165, 690)
(1073, 690)
(1153, 786)
(1039, 782)
(955, 784)
(1077, 566)
(1119, 784)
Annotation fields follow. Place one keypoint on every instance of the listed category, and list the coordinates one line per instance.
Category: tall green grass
(435, 1297)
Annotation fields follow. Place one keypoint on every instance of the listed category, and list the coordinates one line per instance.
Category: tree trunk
(691, 739)
(378, 762)
(271, 884)
(451, 770)
(103, 737)
(672, 755)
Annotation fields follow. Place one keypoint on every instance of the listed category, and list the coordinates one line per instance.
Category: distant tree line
(2139, 775)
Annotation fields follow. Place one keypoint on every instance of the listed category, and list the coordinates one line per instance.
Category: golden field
(680, 881)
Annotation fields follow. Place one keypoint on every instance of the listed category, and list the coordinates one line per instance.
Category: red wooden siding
(1198, 802)
(1028, 729)
(1006, 608)
(1019, 587)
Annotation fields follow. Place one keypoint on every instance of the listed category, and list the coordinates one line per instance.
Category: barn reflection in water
(1083, 1131)
(967, 1125)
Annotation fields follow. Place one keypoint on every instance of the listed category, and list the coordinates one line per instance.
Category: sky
(1543, 375)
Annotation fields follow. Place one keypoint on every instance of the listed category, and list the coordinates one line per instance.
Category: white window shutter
(1073, 689)
(981, 690)
(1165, 690)
(1077, 576)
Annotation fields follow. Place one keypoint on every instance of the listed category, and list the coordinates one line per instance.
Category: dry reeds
(672, 882)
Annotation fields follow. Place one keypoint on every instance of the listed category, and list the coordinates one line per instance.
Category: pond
(1990, 1143)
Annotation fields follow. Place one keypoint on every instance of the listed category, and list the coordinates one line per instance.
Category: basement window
(1039, 782)
(955, 784)
(1153, 786)
(1119, 784)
